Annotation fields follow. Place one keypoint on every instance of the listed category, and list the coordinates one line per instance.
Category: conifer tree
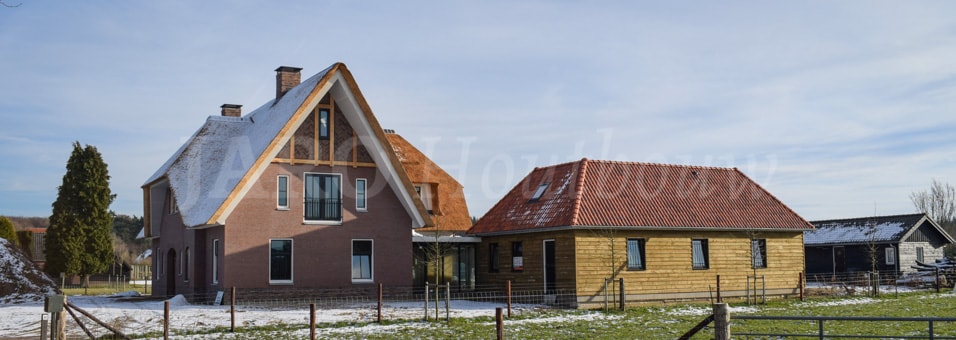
(78, 240)
(7, 232)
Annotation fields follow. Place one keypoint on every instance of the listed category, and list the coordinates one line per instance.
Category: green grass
(644, 322)
(103, 290)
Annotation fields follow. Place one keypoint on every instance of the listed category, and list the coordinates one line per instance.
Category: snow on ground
(138, 317)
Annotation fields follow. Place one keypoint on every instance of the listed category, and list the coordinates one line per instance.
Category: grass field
(646, 322)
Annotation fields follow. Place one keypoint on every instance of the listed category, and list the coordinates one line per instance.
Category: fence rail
(821, 330)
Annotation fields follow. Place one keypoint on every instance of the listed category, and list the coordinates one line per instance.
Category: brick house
(667, 230)
(304, 192)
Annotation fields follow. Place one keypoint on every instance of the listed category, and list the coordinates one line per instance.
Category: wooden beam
(323, 162)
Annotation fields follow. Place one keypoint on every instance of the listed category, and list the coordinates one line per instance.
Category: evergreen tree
(7, 232)
(78, 240)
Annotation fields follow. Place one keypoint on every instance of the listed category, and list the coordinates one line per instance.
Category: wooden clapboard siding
(533, 272)
(668, 261)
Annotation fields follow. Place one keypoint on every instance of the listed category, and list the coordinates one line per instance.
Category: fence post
(379, 303)
(447, 301)
(43, 327)
(508, 294)
(426, 301)
(232, 310)
(499, 324)
(763, 289)
(718, 289)
(621, 288)
(800, 285)
(312, 321)
(721, 321)
(937, 279)
(166, 320)
(605, 294)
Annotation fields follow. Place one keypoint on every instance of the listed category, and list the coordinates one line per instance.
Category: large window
(361, 260)
(493, 257)
(699, 250)
(890, 256)
(280, 261)
(758, 253)
(517, 257)
(323, 197)
(282, 192)
(361, 199)
(635, 254)
(215, 261)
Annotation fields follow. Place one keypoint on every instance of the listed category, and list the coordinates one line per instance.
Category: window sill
(636, 269)
(282, 208)
(361, 210)
(280, 283)
(362, 281)
(322, 222)
(700, 268)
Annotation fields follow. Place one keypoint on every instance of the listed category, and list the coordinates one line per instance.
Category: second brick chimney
(287, 77)
(231, 110)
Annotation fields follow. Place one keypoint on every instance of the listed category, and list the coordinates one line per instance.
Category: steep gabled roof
(590, 193)
(876, 229)
(452, 211)
(218, 164)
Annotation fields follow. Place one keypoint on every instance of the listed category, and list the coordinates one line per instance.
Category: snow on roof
(878, 229)
(206, 169)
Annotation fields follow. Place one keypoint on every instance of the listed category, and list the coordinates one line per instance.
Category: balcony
(323, 209)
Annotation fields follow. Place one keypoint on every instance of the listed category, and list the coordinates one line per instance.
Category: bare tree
(939, 202)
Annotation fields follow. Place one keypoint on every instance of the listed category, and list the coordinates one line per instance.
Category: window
(215, 261)
(362, 260)
(282, 192)
(699, 250)
(758, 253)
(280, 261)
(424, 191)
(890, 256)
(635, 254)
(361, 201)
(171, 202)
(323, 197)
(492, 257)
(517, 257)
(919, 254)
(186, 265)
(324, 124)
(539, 192)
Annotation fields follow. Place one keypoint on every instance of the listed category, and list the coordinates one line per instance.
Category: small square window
(517, 257)
(361, 260)
(539, 192)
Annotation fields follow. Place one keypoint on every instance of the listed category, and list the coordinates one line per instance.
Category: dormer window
(424, 191)
(539, 192)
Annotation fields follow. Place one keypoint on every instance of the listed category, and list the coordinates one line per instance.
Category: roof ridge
(661, 164)
(870, 217)
(578, 189)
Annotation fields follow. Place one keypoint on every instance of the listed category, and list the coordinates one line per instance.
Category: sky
(839, 109)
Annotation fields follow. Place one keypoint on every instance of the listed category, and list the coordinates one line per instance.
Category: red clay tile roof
(646, 195)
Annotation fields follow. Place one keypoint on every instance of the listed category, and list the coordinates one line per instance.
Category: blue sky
(840, 109)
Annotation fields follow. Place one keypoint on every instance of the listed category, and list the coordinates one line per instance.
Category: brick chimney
(287, 77)
(231, 110)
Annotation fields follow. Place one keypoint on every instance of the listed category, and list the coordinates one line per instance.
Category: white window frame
(215, 261)
(920, 254)
(304, 197)
(363, 194)
(425, 193)
(279, 206)
(371, 261)
(890, 253)
(291, 262)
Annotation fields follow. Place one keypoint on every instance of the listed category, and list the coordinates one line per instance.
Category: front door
(549, 272)
(839, 259)
(171, 273)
